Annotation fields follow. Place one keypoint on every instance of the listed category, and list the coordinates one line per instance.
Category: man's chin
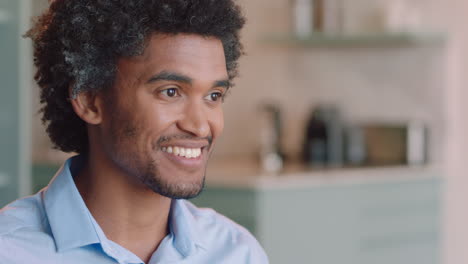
(179, 193)
(176, 190)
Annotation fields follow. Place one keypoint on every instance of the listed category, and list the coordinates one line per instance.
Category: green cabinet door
(15, 76)
(375, 221)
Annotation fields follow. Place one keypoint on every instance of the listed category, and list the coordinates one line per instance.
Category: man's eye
(216, 96)
(170, 92)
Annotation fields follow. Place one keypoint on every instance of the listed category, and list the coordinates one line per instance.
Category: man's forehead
(162, 44)
(190, 55)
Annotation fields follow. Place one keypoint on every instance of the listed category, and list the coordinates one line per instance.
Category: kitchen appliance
(323, 141)
(271, 154)
(390, 144)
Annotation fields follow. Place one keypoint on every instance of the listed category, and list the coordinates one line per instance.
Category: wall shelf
(360, 40)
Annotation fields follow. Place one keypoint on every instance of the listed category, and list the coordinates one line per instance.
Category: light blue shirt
(55, 227)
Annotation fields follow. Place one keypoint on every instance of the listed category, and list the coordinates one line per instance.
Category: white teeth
(183, 152)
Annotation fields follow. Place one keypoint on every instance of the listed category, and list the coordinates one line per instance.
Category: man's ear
(88, 106)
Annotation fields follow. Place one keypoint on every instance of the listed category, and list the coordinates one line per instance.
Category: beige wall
(451, 15)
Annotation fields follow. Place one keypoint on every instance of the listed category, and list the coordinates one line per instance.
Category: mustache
(163, 139)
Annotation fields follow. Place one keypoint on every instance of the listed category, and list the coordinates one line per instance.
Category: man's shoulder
(223, 232)
(24, 232)
(23, 214)
(208, 219)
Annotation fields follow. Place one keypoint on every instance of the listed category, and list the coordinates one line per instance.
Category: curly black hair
(77, 44)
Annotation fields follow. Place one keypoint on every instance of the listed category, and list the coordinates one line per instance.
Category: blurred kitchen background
(344, 139)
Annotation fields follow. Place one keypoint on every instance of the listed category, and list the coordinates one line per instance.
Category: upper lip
(185, 144)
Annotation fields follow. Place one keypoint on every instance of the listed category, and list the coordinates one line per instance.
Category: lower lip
(186, 162)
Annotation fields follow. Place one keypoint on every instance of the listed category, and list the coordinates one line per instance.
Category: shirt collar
(69, 218)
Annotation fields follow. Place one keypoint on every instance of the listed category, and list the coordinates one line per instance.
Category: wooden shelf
(362, 40)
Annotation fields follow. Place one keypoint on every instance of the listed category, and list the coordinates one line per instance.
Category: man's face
(164, 113)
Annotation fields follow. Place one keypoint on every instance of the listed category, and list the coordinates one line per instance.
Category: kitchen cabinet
(354, 216)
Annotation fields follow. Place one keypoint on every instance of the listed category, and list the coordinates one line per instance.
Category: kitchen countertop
(245, 173)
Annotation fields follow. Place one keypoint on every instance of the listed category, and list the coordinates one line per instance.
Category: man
(136, 88)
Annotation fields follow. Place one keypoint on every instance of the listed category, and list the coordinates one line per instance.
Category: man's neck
(130, 214)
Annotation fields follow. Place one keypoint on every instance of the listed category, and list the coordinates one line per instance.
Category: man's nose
(194, 120)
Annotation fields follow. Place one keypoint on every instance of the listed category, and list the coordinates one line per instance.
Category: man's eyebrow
(222, 83)
(177, 77)
(170, 76)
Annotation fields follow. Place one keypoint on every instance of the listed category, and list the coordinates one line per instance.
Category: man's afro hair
(77, 44)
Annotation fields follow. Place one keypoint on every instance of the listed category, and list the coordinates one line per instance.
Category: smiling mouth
(189, 153)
